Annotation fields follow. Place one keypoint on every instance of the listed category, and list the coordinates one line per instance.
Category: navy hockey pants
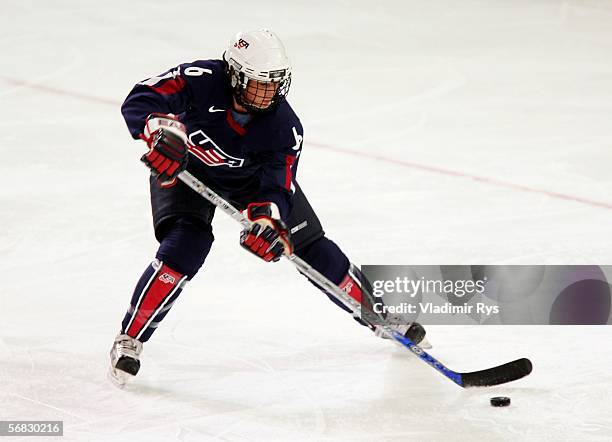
(182, 223)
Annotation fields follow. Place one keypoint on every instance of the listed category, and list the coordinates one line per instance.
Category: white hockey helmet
(259, 57)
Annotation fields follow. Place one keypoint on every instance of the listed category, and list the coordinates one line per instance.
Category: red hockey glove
(268, 237)
(167, 140)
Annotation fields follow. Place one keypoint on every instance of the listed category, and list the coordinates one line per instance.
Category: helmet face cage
(257, 95)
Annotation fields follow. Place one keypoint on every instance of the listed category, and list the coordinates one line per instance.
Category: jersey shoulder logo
(212, 109)
(205, 150)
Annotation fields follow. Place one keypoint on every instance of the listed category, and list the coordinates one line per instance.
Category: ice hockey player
(228, 122)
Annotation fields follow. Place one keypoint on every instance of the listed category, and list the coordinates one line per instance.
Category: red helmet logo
(241, 44)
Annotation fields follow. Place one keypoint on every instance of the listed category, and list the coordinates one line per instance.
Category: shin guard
(156, 291)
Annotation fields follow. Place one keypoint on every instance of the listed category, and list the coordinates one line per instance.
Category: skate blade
(119, 378)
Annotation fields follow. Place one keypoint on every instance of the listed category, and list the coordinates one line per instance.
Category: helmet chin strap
(238, 107)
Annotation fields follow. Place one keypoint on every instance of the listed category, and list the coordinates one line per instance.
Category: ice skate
(125, 359)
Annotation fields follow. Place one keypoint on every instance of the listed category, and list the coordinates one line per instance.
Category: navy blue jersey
(254, 163)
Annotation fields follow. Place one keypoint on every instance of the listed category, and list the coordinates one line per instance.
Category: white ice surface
(516, 94)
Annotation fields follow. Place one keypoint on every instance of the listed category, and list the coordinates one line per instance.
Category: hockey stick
(501, 374)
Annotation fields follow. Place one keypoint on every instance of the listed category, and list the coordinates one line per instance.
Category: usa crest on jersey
(205, 149)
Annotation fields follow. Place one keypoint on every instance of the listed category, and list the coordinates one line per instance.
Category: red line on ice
(403, 163)
(57, 91)
(449, 172)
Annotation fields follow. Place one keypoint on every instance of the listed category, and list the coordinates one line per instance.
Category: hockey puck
(500, 401)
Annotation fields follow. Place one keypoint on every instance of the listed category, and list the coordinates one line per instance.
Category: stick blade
(501, 374)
